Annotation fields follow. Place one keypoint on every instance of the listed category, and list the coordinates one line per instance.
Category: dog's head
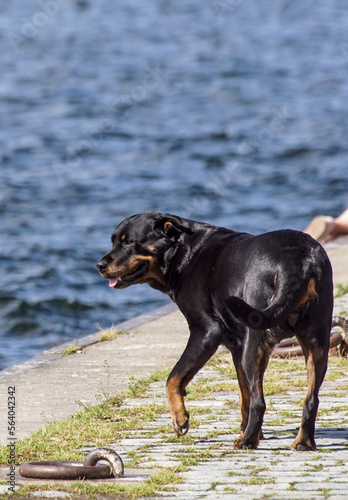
(139, 245)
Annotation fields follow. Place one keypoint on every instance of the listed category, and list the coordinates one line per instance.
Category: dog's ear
(173, 226)
(168, 228)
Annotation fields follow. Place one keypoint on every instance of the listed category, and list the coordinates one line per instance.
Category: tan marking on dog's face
(112, 269)
(153, 272)
(275, 280)
(123, 237)
(150, 248)
(308, 295)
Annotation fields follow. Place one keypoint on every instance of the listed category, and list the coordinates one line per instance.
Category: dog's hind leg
(254, 363)
(316, 360)
(199, 350)
(243, 388)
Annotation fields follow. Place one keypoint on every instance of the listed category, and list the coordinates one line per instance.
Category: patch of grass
(184, 440)
(232, 473)
(95, 425)
(204, 388)
(159, 481)
(332, 410)
(340, 290)
(72, 349)
(138, 388)
(230, 489)
(160, 375)
(214, 484)
(109, 333)
(324, 491)
(257, 480)
(338, 362)
(316, 468)
(274, 388)
(232, 405)
(289, 414)
(195, 457)
(256, 469)
(333, 375)
(292, 486)
(223, 364)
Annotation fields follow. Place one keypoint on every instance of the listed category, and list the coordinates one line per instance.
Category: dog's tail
(290, 296)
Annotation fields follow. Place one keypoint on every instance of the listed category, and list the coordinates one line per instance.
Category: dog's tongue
(113, 282)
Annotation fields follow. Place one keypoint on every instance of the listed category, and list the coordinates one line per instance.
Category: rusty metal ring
(77, 470)
(114, 460)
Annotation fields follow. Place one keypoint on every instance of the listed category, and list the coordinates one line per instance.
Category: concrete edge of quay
(58, 351)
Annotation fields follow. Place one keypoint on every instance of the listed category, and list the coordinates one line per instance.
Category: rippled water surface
(228, 111)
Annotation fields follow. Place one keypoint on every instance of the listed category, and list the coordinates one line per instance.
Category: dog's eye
(128, 242)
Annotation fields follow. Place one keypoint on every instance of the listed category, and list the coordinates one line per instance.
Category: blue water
(233, 112)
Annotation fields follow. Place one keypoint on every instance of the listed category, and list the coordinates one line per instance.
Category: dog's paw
(181, 426)
(303, 446)
(242, 445)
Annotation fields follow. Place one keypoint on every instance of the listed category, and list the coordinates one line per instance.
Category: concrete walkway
(49, 387)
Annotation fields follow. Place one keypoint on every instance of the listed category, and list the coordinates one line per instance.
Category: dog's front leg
(199, 350)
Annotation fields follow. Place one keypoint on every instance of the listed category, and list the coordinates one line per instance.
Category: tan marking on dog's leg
(244, 398)
(308, 295)
(178, 411)
(311, 388)
(244, 405)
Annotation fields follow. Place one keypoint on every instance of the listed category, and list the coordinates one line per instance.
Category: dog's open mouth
(130, 278)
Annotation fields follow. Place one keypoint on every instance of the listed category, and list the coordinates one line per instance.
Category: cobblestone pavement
(216, 471)
(273, 471)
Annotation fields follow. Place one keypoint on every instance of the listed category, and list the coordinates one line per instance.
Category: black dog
(246, 292)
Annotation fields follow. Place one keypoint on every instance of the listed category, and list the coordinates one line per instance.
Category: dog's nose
(102, 265)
